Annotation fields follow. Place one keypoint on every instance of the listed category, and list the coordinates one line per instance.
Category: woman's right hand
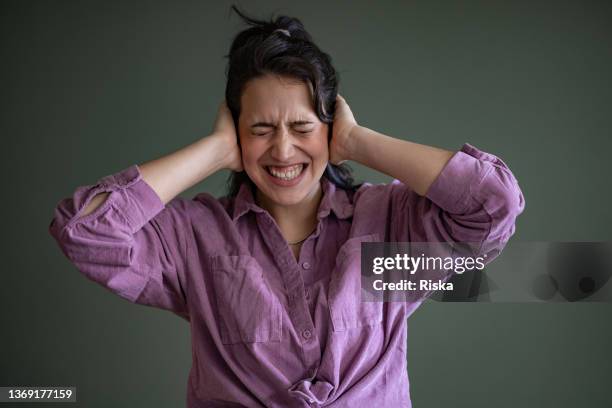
(225, 131)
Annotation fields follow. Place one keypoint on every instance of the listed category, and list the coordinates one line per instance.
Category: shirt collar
(334, 199)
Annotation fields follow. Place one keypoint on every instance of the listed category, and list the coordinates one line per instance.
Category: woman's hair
(282, 46)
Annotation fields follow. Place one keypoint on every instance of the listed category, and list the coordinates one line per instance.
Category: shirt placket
(295, 290)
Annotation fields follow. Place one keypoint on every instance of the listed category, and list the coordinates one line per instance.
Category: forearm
(174, 173)
(414, 164)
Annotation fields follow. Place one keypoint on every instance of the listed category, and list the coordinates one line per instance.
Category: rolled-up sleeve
(478, 200)
(474, 200)
(132, 244)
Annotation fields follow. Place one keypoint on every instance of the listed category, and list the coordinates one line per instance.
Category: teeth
(287, 173)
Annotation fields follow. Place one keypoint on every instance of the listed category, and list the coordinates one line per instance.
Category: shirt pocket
(249, 311)
(346, 308)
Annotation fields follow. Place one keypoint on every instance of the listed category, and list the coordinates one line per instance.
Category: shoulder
(376, 205)
(374, 194)
(200, 208)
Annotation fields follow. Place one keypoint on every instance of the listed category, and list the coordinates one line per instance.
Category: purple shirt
(267, 330)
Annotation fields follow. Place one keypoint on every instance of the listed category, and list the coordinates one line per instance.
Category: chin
(284, 198)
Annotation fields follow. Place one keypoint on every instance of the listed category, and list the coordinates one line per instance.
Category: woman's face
(284, 144)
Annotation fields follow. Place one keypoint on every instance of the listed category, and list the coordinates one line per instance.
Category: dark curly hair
(282, 46)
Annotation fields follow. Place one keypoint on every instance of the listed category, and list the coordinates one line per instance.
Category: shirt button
(306, 334)
(306, 265)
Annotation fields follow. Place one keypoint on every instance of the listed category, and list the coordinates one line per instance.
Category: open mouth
(287, 173)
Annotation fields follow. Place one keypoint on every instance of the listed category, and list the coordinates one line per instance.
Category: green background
(90, 88)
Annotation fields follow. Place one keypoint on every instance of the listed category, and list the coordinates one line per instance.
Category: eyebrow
(294, 123)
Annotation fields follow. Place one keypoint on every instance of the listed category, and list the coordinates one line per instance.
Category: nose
(282, 148)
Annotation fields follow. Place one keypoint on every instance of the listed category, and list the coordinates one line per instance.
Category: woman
(267, 275)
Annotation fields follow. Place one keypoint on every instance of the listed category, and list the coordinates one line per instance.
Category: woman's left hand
(344, 122)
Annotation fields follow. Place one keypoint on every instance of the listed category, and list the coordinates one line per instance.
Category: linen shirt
(269, 330)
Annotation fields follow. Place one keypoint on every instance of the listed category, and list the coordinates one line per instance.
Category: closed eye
(305, 131)
(300, 128)
(262, 131)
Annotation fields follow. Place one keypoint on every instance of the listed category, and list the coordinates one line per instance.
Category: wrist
(213, 150)
(351, 143)
(227, 151)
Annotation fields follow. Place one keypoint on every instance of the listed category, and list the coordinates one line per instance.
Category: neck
(295, 221)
